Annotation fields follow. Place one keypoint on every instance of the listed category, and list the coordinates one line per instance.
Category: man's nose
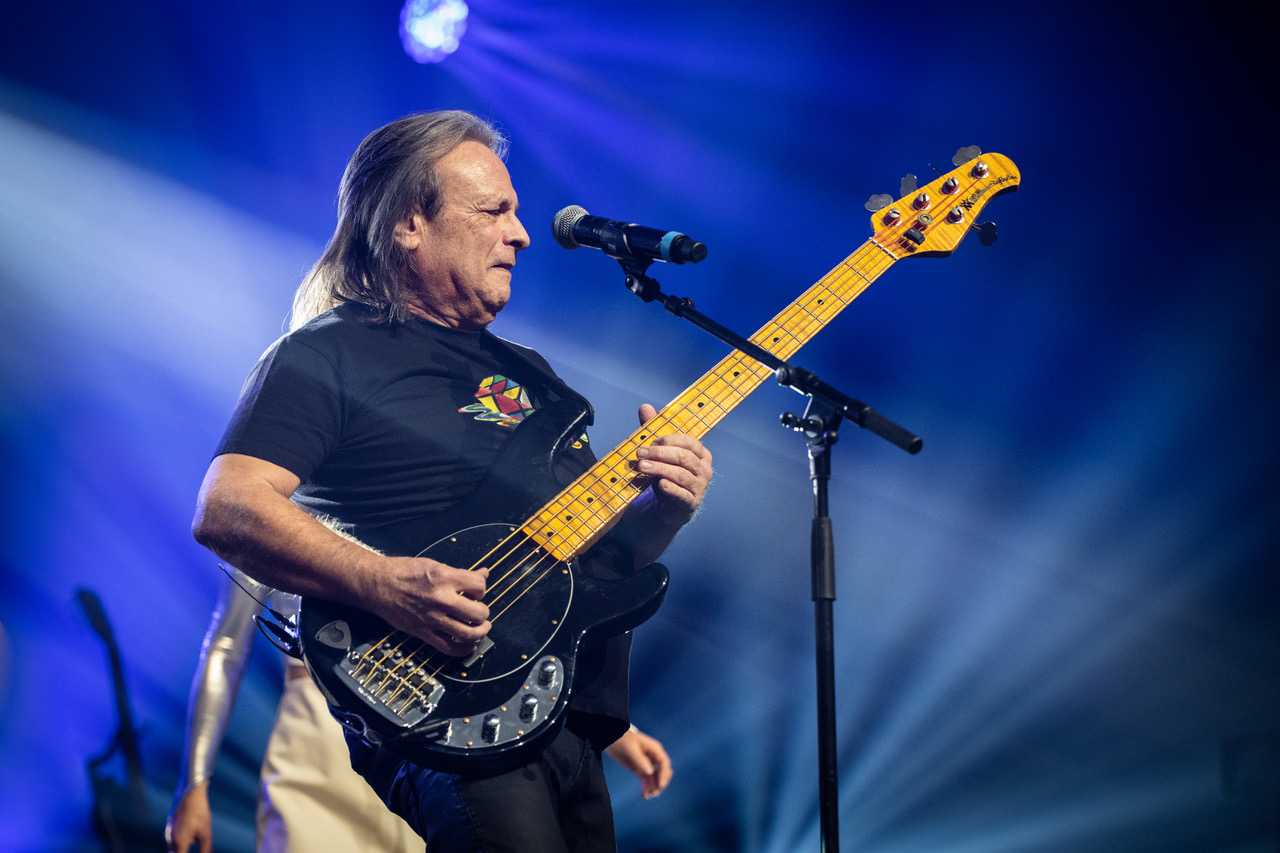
(518, 236)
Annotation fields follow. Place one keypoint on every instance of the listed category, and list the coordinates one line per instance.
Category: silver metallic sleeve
(223, 660)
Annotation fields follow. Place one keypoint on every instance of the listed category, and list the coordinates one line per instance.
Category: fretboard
(576, 518)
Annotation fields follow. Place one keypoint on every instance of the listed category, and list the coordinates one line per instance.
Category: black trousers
(557, 804)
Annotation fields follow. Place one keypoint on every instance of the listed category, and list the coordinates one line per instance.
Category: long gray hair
(391, 175)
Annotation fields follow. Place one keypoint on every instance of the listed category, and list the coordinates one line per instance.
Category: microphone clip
(637, 282)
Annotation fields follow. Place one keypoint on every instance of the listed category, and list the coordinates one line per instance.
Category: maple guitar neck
(580, 515)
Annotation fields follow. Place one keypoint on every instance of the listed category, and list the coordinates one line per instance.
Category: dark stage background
(1056, 627)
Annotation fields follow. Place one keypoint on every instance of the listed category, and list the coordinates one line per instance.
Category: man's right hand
(244, 515)
(437, 603)
(191, 822)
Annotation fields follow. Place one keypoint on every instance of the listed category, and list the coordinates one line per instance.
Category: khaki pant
(311, 799)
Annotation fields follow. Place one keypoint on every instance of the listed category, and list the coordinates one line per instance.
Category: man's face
(465, 254)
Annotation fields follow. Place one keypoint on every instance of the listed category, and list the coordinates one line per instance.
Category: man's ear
(411, 231)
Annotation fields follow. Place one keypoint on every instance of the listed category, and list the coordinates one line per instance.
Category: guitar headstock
(930, 221)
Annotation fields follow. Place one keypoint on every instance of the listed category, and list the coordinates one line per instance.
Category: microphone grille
(562, 225)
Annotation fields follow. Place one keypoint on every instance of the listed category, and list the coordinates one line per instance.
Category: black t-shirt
(390, 425)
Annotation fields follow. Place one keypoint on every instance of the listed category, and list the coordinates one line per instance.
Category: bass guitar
(547, 592)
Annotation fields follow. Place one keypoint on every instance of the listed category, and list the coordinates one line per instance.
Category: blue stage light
(431, 29)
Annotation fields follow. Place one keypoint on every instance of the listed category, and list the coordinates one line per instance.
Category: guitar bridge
(394, 683)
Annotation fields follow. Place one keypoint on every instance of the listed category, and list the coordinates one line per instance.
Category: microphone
(572, 227)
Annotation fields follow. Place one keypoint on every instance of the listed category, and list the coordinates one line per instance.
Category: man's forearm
(245, 516)
(256, 528)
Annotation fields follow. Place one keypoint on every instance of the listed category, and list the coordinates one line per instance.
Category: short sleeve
(291, 410)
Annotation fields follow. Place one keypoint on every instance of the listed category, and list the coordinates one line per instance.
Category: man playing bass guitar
(391, 404)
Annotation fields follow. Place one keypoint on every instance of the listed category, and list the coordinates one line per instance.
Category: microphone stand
(820, 424)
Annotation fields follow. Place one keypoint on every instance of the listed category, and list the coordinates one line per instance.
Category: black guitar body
(499, 708)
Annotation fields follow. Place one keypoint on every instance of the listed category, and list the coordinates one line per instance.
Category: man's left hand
(681, 468)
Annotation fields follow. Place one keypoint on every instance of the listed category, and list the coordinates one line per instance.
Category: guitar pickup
(481, 647)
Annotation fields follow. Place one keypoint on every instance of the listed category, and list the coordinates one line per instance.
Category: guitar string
(843, 274)
(405, 637)
(784, 324)
(781, 323)
(779, 330)
(849, 270)
(572, 498)
(501, 595)
(425, 662)
(786, 319)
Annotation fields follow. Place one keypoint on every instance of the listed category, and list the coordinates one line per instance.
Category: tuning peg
(964, 155)
(879, 202)
(908, 186)
(986, 232)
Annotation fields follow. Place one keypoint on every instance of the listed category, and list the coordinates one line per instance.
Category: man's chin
(498, 297)
(493, 306)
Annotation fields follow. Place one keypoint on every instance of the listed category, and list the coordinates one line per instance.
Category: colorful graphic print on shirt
(505, 402)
